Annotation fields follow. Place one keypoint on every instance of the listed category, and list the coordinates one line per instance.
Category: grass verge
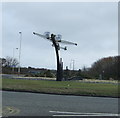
(61, 87)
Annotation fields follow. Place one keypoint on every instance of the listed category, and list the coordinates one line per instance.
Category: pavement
(35, 104)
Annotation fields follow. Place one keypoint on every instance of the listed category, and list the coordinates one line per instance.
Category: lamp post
(19, 53)
(13, 58)
(103, 74)
(73, 64)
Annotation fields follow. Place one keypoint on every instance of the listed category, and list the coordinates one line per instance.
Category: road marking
(81, 114)
(87, 115)
(71, 112)
(8, 110)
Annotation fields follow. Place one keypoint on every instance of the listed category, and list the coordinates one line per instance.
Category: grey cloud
(92, 25)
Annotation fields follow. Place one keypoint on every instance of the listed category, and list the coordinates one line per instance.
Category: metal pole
(19, 52)
(61, 69)
(103, 74)
(73, 64)
(57, 56)
(13, 61)
(70, 66)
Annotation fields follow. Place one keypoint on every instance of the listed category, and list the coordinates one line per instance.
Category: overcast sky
(93, 26)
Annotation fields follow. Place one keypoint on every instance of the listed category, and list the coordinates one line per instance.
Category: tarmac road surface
(35, 104)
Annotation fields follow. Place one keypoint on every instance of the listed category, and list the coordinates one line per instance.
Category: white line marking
(82, 114)
(88, 115)
(72, 112)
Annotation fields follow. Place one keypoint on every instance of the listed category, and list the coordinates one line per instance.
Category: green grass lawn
(61, 87)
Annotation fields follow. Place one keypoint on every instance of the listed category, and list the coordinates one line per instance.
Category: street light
(19, 52)
(72, 64)
(103, 74)
(13, 58)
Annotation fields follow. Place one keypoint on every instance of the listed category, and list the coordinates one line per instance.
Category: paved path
(32, 104)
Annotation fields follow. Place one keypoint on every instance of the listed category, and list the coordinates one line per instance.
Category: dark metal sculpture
(55, 42)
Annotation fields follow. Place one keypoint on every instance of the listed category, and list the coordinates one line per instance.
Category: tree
(106, 67)
(2, 62)
(7, 65)
(48, 73)
(10, 62)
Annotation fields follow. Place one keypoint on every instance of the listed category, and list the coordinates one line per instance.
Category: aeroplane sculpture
(56, 40)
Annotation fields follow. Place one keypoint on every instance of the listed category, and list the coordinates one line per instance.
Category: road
(13, 76)
(32, 104)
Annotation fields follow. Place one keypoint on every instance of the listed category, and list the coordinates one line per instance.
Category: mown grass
(61, 87)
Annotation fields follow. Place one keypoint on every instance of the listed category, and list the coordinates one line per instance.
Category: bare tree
(10, 62)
